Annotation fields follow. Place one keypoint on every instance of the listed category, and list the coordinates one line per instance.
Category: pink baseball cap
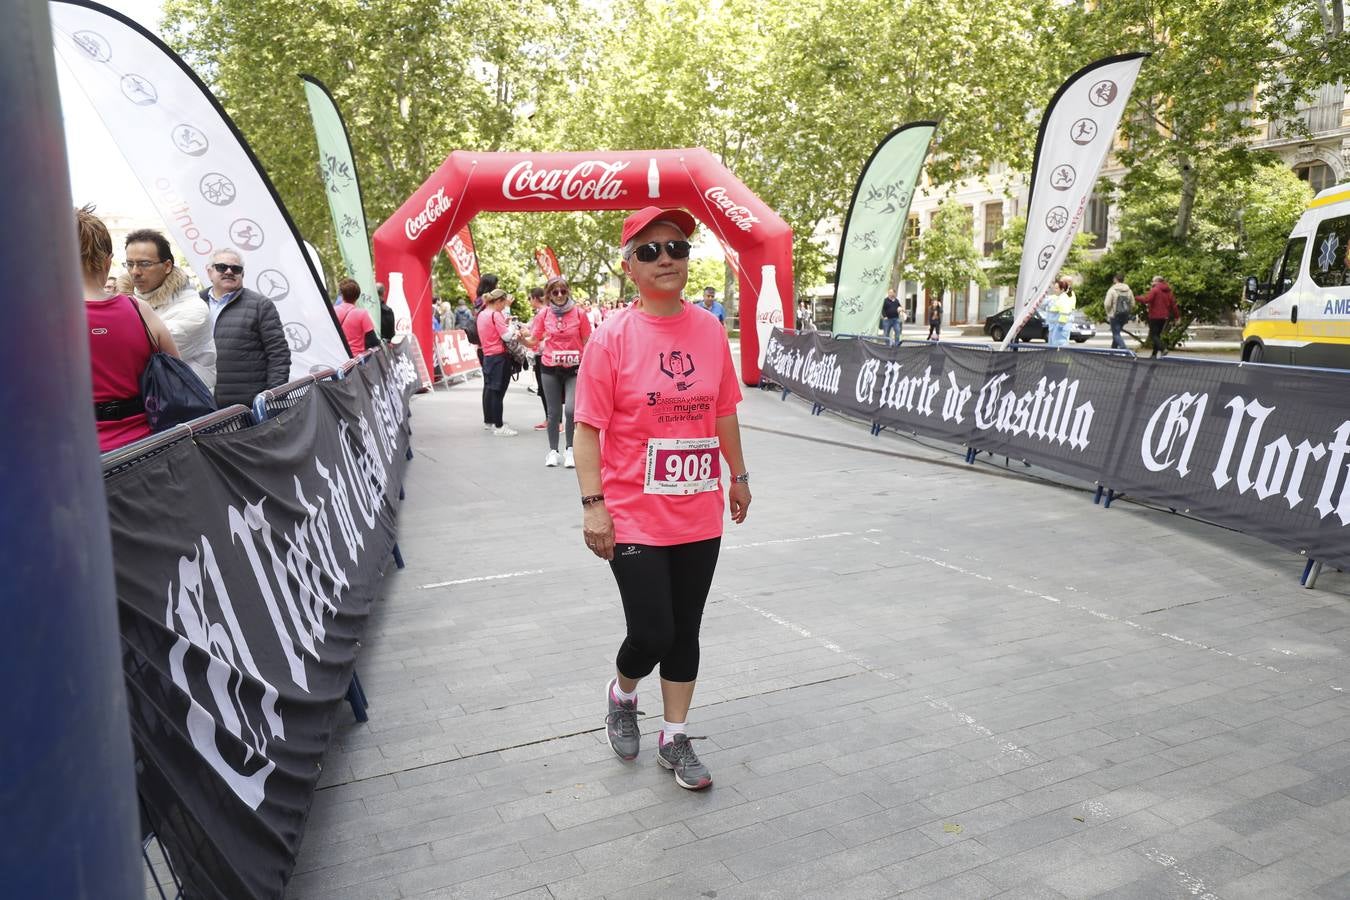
(649, 214)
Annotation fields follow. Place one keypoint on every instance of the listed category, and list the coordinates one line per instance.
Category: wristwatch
(743, 478)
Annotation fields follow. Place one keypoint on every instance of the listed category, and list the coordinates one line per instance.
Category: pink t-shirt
(118, 353)
(491, 324)
(355, 322)
(650, 383)
(563, 336)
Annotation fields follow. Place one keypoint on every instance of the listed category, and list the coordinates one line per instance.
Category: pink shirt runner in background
(563, 335)
(667, 378)
(355, 322)
(491, 324)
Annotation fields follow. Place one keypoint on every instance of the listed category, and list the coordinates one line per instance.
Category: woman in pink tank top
(118, 346)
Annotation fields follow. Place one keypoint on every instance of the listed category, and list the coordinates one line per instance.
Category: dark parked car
(998, 325)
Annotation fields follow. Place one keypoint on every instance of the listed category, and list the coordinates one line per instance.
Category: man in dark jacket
(251, 350)
(890, 317)
(1162, 308)
(388, 324)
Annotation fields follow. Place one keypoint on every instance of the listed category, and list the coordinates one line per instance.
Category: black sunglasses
(651, 251)
(559, 292)
(222, 268)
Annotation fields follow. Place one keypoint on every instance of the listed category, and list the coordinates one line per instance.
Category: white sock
(670, 729)
(623, 696)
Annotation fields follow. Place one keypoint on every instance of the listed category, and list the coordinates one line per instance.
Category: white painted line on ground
(860, 661)
(1108, 617)
(1192, 884)
(799, 540)
(441, 584)
(1006, 748)
(945, 565)
(794, 540)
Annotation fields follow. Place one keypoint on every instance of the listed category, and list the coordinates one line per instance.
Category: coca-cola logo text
(437, 203)
(738, 215)
(587, 180)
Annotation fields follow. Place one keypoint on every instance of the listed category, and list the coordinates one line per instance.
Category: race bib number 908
(682, 466)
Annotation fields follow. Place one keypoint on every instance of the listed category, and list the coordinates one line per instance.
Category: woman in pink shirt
(560, 330)
(357, 325)
(656, 415)
(492, 328)
(121, 329)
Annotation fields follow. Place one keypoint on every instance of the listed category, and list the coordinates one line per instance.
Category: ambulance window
(1330, 244)
(1286, 267)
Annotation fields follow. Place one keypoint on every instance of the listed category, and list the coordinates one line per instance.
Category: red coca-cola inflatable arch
(753, 236)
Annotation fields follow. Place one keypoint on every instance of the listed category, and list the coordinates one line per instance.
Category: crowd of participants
(657, 383)
(551, 342)
(230, 336)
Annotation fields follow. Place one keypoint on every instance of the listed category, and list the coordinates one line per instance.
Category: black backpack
(471, 331)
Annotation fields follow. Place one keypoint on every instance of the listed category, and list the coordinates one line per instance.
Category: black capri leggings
(663, 591)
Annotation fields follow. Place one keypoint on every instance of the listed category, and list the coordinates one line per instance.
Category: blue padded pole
(69, 814)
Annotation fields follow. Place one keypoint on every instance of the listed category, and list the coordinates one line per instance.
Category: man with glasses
(251, 350)
(152, 276)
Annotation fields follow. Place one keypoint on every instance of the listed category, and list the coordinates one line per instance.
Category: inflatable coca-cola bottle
(768, 309)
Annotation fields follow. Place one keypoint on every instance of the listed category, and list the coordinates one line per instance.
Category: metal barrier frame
(222, 421)
(273, 400)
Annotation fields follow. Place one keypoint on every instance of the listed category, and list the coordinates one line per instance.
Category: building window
(1320, 113)
(1318, 175)
(912, 231)
(960, 311)
(993, 228)
(989, 301)
(1095, 221)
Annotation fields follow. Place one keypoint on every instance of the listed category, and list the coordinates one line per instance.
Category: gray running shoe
(621, 724)
(677, 755)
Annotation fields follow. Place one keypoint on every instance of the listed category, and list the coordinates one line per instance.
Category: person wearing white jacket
(154, 278)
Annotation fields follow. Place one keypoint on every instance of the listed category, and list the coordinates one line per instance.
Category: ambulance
(1301, 316)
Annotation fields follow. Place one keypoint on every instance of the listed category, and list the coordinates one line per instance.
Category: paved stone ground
(906, 691)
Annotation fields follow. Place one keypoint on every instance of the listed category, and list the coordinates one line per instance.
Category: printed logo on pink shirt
(677, 367)
(679, 405)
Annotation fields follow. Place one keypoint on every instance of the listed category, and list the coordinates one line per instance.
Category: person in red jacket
(1162, 308)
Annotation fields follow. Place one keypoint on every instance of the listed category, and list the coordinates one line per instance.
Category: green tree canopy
(1008, 258)
(791, 96)
(1220, 70)
(945, 256)
(1237, 230)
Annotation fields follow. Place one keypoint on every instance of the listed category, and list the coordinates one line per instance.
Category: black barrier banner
(246, 564)
(1261, 449)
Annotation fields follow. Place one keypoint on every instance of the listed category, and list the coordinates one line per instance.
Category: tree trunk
(1332, 13)
(1190, 178)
